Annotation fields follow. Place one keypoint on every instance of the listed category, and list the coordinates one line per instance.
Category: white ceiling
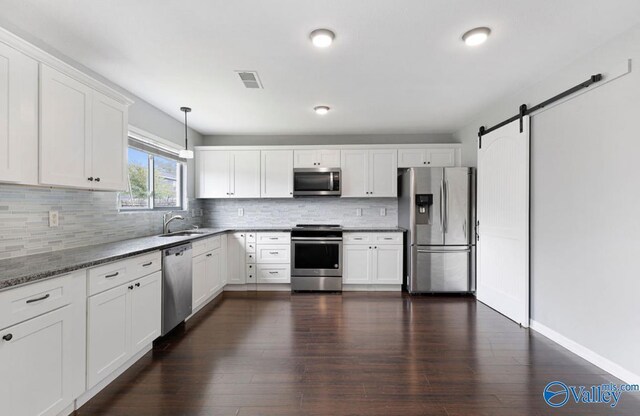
(395, 67)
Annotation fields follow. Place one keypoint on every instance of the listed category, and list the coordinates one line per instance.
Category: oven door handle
(316, 238)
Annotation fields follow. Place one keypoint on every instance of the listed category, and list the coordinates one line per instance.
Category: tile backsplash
(289, 212)
(85, 218)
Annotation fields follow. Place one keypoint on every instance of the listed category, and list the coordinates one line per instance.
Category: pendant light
(186, 153)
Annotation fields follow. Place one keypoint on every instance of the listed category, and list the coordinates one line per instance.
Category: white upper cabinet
(277, 174)
(227, 174)
(18, 117)
(435, 157)
(109, 127)
(213, 172)
(355, 173)
(369, 173)
(245, 182)
(313, 158)
(83, 135)
(383, 173)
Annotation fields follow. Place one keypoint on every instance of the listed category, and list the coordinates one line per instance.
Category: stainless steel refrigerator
(437, 208)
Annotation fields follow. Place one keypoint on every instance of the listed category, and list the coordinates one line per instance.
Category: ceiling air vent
(250, 79)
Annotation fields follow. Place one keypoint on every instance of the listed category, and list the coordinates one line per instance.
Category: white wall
(258, 140)
(585, 204)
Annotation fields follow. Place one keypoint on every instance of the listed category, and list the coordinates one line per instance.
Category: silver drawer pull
(273, 238)
(358, 238)
(39, 299)
(112, 275)
(147, 264)
(274, 252)
(388, 238)
(273, 272)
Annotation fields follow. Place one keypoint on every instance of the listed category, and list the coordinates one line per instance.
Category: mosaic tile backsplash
(289, 212)
(85, 218)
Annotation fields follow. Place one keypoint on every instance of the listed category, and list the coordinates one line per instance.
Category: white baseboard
(584, 352)
(87, 395)
(68, 410)
(371, 288)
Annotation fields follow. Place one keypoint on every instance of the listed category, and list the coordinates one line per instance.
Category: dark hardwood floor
(370, 353)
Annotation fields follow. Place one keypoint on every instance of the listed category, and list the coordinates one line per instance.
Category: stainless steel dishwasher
(176, 286)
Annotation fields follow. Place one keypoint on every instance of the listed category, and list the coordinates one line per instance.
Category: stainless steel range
(316, 257)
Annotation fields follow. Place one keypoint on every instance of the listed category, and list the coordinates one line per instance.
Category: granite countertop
(28, 269)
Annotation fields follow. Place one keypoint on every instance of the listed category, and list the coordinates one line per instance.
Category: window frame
(181, 182)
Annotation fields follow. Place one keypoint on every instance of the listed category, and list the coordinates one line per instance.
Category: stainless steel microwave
(316, 182)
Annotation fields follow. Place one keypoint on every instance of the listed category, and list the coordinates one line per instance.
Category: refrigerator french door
(436, 208)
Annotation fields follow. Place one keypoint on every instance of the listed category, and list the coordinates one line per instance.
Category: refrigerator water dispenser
(424, 203)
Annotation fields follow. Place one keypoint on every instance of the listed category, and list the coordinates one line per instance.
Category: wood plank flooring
(271, 353)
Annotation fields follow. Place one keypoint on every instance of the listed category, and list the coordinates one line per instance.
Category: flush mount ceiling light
(321, 109)
(186, 153)
(477, 36)
(322, 38)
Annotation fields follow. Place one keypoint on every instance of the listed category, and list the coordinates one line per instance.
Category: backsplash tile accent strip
(289, 212)
(85, 218)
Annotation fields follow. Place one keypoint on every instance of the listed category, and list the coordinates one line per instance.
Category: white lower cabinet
(235, 259)
(122, 321)
(378, 262)
(272, 258)
(43, 358)
(207, 276)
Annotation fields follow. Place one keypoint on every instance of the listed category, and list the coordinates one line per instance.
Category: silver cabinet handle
(273, 238)
(388, 238)
(39, 299)
(112, 275)
(273, 272)
(274, 252)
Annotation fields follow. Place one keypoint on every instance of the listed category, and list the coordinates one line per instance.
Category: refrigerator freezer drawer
(441, 270)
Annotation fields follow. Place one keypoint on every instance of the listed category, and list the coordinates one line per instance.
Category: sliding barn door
(503, 218)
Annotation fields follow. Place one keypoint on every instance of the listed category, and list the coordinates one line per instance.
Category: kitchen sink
(182, 234)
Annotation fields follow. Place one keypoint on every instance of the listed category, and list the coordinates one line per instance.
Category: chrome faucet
(166, 222)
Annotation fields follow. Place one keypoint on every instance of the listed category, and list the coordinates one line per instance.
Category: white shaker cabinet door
(357, 264)
(213, 271)
(305, 159)
(383, 173)
(328, 158)
(199, 284)
(245, 181)
(65, 130)
(109, 127)
(213, 174)
(441, 157)
(37, 361)
(18, 117)
(355, 173)
(236, 264)
(109, 333)
(146, 311)
(277, 174)
(388, 264)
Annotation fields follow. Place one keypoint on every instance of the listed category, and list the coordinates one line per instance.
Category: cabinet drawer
(113, 274)
(251, 237)
(389, 238)
(146, 264)
(213, 243)
(250, 247)
(198, 247)
(273, 254)
(26, 302)
(358, 238)
(274, 238)
(250, 258)
(273, 273)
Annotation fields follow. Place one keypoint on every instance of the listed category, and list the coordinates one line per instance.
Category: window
(156, 179)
